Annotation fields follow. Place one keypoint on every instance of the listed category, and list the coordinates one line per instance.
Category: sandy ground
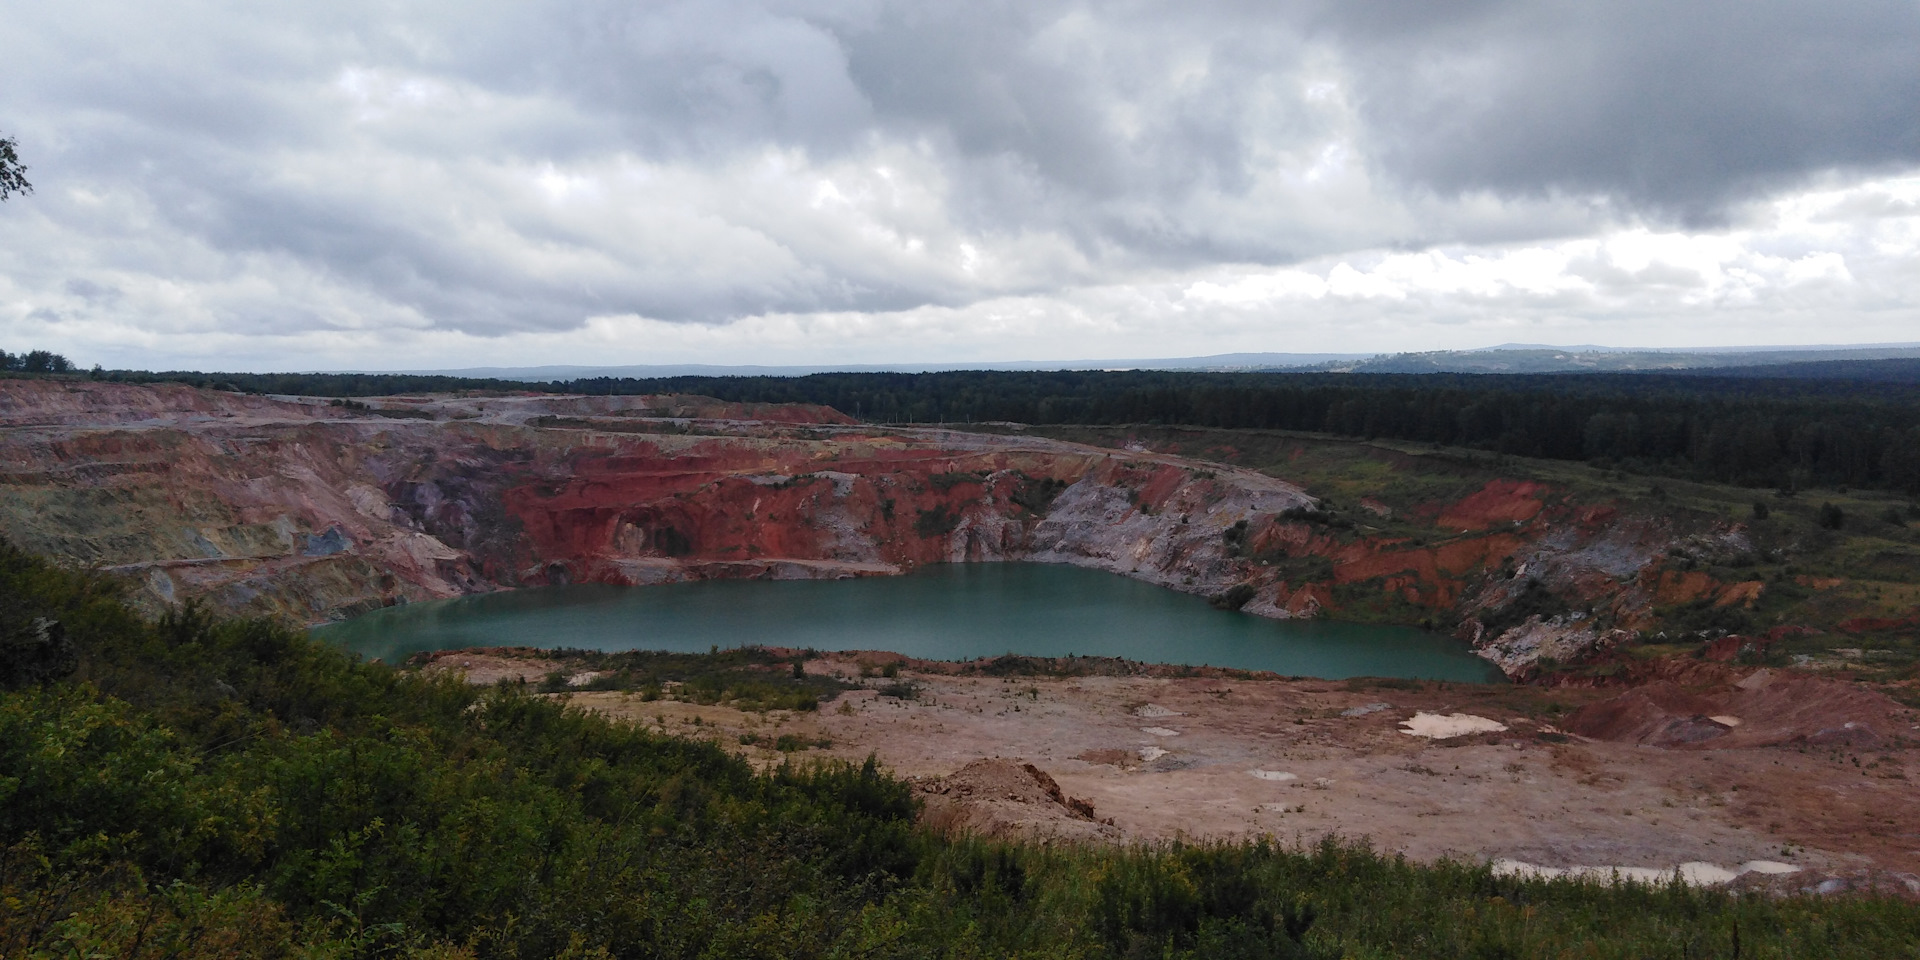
(486, 668)
(1163, 757)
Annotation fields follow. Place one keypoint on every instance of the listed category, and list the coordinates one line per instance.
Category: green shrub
(1234, 597)
(200, 787)
(1037, 495)
(1830, 517)
(937, 522)
(944, 482)
(900, 690)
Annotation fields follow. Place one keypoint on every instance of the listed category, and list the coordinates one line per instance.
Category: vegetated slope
(1601, 570)
(318, 509)
(1749, 430)
(200, 787)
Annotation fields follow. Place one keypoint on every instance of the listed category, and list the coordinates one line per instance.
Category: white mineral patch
(1696, 872)
(1437, 727)
(1150, 754)
(160, 584)
(1272, 775)
(369, 501)
(1156, 710)
(1160, 731)
(1726, 720)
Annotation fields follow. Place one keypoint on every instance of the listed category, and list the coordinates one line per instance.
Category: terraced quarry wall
(317, 509)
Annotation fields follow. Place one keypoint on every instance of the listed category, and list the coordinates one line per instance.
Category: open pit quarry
(318, 509)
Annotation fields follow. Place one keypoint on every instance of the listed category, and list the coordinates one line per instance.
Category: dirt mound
(485, 666)
(1499, 502)
(1763, 708)
(1878, 624)
(1110, 756)
(1659, 713)
(1003, 798)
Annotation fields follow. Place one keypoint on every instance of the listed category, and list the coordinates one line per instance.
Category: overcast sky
(370, 185)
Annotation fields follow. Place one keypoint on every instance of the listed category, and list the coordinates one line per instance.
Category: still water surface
(944, 612)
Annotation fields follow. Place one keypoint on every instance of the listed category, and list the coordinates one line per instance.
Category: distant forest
(1756, 431)
(1792, 426)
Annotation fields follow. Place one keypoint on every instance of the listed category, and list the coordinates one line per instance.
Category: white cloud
(438, 185)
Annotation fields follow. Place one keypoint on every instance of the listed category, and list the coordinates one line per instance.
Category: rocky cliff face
(316, 509)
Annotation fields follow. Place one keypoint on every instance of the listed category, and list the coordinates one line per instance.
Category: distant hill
(1505, 358)
(1519, 358)
(1218, 363)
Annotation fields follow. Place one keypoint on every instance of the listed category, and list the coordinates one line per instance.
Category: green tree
(13, 173)
(1831, 517)
(45, 361)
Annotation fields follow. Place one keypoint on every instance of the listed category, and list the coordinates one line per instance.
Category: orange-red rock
(1500, 501)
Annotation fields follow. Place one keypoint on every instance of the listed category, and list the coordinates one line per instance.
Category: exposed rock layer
(315, 509)
(320, 509)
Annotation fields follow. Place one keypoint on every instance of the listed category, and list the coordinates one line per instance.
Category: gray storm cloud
(1675, 109)
(492, 168)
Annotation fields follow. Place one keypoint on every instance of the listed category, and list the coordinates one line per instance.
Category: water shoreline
(944, 612)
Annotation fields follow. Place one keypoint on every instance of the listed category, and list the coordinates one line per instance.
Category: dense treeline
(200, 788)
(318, 384)
(1755, 431)
(1892, 370)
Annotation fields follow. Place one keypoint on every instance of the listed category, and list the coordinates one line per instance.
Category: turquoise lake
(943, 612)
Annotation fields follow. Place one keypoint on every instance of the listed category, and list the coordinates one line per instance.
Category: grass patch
(748, 678)
(944, 482)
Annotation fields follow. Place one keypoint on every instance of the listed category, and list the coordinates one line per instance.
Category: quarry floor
(1207, 758)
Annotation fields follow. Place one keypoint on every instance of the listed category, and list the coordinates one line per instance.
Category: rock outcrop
(316, 509)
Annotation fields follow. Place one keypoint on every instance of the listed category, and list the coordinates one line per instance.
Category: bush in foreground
(201, 787)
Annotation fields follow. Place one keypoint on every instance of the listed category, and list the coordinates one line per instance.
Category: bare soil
(1166, 757)
(484, 667)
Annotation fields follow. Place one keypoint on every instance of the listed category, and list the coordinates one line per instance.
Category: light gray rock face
(1104, 523)
(1572, 562)
(983, 537)
(834, 512)
(1539, 643)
